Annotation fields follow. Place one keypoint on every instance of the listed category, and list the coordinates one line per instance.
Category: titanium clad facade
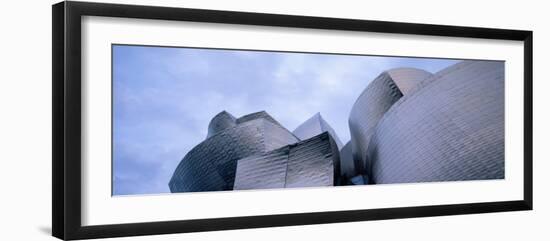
(373, 103)
(315, 126)
(211, 165)
(450, 128)
(310, 163)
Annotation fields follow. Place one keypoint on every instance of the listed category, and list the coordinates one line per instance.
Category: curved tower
(450, 129)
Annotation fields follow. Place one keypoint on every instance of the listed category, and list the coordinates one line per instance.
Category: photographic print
(201, 119)
(162, 113)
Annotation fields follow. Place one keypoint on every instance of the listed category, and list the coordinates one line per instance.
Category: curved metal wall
(450, 129)
(373, 102)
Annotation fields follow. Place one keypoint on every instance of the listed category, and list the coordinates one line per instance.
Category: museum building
(408, 125)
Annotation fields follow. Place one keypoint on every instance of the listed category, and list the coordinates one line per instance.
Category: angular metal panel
(262, 171)
(311, 163)
(316, 125)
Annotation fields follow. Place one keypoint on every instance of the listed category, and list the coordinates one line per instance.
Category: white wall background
(25, 125)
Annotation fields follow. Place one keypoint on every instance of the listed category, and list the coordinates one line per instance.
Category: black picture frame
(67, 135)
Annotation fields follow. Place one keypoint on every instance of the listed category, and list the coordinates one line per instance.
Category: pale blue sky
(164, 98)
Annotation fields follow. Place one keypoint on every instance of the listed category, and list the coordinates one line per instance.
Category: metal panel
(316, 125)
(313, 162)
(262, 171)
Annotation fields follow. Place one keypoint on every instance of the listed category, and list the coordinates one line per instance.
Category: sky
(164, 98)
